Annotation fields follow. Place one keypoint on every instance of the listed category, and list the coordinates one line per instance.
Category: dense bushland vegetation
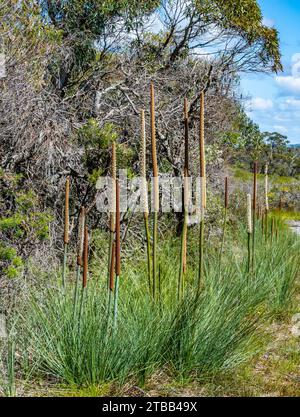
(76, 77)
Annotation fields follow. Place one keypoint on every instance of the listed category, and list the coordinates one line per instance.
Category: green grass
(194, 339)
(288, 215)
(246, 175)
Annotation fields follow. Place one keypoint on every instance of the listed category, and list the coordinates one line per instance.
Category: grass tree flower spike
(249, 228)
(266, 199)
(226, 202)
(203, 190)
(85, 270)
(144, 193)
(155, 191)
(254, 208)
(80, 245)
(118, 252)
(66, 230)
(183, 256)
(112, 215)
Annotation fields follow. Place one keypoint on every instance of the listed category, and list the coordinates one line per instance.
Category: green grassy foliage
(202, 335)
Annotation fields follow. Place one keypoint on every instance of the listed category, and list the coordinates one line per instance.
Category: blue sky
(275, 99)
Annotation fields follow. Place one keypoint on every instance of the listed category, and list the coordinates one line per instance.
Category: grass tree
(226, 202)
(111, 277)
(266, 200)
(118, 252)
(203, 190)
(254, 206)
(144, 193)
(66, 230)
(249, 230)
(84, 271)
(112, 215)
(80, 246)
(183, 254)
(155, 191)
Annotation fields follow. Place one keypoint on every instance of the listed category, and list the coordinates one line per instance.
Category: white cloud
(268, 22)
(296, 65)
(280, 128)
(291, 83)
(259, 103)
(293, 102)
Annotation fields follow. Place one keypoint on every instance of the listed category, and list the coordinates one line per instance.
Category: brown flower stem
(183, 254)
(148, 240)
(201, 254)
(203, 192)
(249, 253)
(80, 245)
(118, 253)
(66, 231)
(113, 213)
(249, 230)
(272, 228)
(111, 276)
(226, 199)
(254, 206)
(110, 248)
(144, 194)
(182, 270)
(156, 190)
(84, 272)
(85, 257)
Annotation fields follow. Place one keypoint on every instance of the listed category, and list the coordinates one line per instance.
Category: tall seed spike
(272, 228)
(118, 231)
(226, 194)
(186, 136)
(112, 267)
(266, 188)
(185, 226)
(81, 223)
(203, 192)
(144, 192)
(255, 186)
(66, 224)
(85, 256)
(118, 254)
(143, 164)
(249, 214)
(114, 161)
(156, 190)
(114, 176)
(153, 132)
(249, 230)
(226, 200)
(153, 150)
(112, 214)
(254, 209)
(202, 151)
(186, 189)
